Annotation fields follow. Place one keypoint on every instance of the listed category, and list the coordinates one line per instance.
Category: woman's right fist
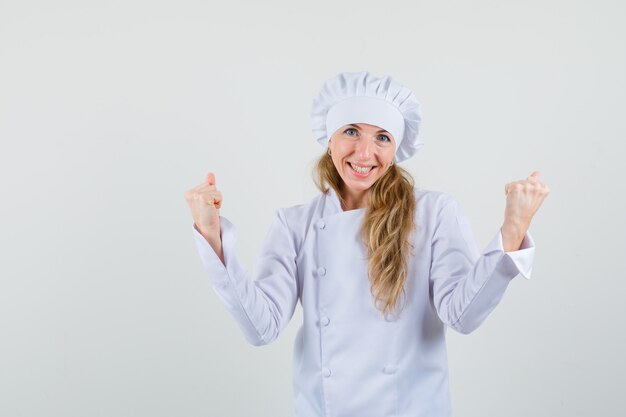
(205, 202)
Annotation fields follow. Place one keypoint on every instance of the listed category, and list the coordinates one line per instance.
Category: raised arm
(465, 285)
(262, 304)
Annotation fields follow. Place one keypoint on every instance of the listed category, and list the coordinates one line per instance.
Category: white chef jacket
(349, 360)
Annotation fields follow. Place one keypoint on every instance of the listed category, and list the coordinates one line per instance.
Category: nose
(364, 148)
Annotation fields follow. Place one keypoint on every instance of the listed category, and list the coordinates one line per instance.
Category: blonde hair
(385, 231)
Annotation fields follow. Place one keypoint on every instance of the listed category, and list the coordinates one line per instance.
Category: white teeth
(360, 170)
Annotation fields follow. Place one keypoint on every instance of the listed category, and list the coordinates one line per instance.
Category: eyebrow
(358, 128)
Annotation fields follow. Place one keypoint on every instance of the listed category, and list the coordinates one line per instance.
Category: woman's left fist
(523, 199)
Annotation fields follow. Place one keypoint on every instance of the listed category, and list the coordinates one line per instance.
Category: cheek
(341, 151)
(337, 162)
(389, 154)
(385, 155)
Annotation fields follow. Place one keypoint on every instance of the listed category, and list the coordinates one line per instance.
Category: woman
(380, 267)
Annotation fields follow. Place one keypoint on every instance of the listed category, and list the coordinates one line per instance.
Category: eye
(386, 137)
(350, 129)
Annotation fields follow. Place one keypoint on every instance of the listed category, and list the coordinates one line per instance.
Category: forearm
(262, 306)
(216, 244)
(215, 241)
(512, 236)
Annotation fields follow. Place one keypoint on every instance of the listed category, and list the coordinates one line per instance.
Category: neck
(354, 200)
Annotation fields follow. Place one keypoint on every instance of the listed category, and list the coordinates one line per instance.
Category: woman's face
(361, 153)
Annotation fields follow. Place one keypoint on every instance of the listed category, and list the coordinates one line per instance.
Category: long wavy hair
(386, 228)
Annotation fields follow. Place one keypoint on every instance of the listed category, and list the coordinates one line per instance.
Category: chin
(359, 186)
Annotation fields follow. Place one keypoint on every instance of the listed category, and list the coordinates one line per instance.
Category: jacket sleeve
(464, 285)
(263, 306)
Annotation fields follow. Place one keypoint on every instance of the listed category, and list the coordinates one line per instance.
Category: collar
(334, 205)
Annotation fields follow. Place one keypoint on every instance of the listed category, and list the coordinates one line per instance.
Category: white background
(110, 111)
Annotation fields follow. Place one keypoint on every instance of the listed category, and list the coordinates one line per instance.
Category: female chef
(380, 268)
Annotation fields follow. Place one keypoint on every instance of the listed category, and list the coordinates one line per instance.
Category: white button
(389, 369)
(326, 372)
(325, 320)
(321, 271)
(321, 224)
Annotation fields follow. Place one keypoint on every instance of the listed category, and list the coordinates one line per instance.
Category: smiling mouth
(361, 170)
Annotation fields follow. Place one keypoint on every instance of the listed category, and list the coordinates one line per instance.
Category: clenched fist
(523, 199)
(205, 202)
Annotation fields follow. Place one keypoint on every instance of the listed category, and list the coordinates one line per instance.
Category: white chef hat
(359, 97)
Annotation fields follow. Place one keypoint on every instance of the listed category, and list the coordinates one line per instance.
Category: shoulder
(433, 200)
(299, 217)
(436, 207)
(303, 213)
